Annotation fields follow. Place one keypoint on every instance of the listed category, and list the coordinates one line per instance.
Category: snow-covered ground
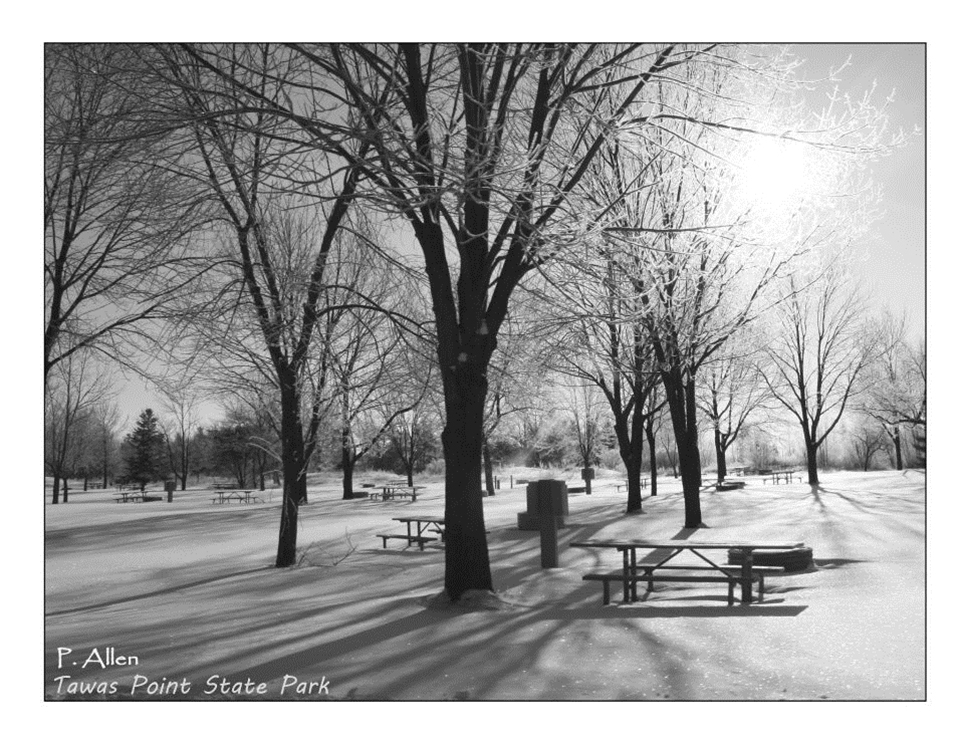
(188, 589)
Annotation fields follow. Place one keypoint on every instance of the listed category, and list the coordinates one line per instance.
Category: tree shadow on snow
(158, 592)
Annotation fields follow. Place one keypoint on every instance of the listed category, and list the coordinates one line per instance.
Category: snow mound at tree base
(473, 600)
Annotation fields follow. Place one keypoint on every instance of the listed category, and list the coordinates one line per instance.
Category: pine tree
(145, 450)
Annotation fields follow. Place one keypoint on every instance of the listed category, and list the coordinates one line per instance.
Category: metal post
(548, 535)
(746, 575)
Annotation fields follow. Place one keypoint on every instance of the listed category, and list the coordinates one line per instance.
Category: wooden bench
(420, 540)
(781, 475)
(697, 574)
(138, 497)
(401, 492)
(643, 483)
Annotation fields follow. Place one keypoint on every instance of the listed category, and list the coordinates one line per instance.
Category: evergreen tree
(145, 450)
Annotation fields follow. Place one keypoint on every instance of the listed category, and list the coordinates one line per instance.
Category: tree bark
(634, 501)
(898, 455)
(56, 499)
(681, 397)
(294, 491)
(487, 464)
(720, 456)
(651, 441)
(466, 548)
(812, 451)
(347, 470)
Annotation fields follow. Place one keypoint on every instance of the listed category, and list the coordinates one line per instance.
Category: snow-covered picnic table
(632, 571)
(643, 483)
(136, 495)
(421, 523)
(241, 494)
(785, 475)
(397, 488)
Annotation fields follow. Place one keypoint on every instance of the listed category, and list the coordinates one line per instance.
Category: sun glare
(775, 175)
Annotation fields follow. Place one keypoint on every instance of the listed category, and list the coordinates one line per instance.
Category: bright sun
(776, 175)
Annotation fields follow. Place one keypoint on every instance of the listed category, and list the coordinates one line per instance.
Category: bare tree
(278, 246)
(518, 378)
(117, 218)
(608, 347)
(866, 442)
(485, 142)
(731, 391)
(817, 360)
(896, 399)
(181, 400)
(75, 389)
(107, 422)
(695, 263)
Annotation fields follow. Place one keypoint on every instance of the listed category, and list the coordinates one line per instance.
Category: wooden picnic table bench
(643, 483)
(777, 475)
(137, 495)
(400, 490)
(422, 523)
(228, 494)
(743, 573)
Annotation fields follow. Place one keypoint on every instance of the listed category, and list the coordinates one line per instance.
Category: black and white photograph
(488, 372)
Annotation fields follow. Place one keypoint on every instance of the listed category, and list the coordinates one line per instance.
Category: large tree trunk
(347, 471)
(634, 470)
(185, 463)
(681, 397)
(812, 451)
(487, 464)
(631, 453)
(691, 472)
(651, 441)
(295, 489)
(898, 455)
(720, 455)
(56, 488)
(466, 549)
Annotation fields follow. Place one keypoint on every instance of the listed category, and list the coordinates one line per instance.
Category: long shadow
(157, 593)
(616, 612)
(816, 490)
(835, 562)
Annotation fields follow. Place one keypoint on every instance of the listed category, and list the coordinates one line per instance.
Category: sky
(893, 270)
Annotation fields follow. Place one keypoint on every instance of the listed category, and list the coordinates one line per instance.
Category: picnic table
(643, 483)
(777, 475)
(422, 523)
(226, 492)
(633, 571)
(136, 495)
(396, 488)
